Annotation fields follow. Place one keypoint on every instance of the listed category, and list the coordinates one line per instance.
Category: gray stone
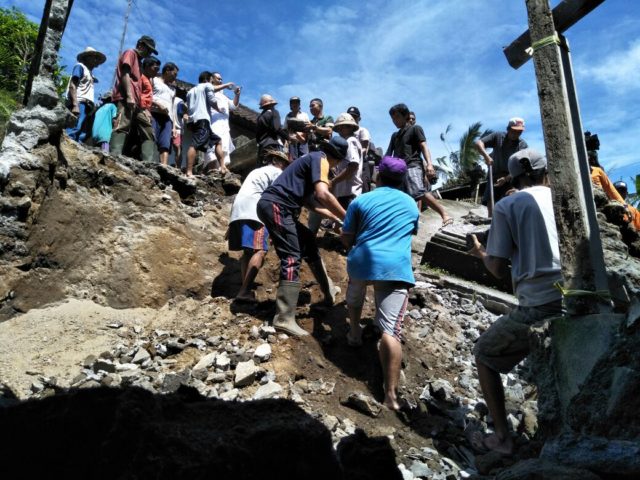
(206, 361)
(421, 470)
(415, 314)
(266, 330)
(268, 390)
(245, 374)
(262, 353)
(104, 366)
(363, 403)
(172, 381)
(141, 356)
(406, 474)
(330, 422)
(37, 386)
(254, 333)
(223, 362)
(533, 469)
(230, 395)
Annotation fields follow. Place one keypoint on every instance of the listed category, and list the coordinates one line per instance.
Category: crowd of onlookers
(331, 168)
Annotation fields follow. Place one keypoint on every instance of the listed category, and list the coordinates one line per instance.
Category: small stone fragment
(206, 361)
(269, 390)
(246, 373)
(262, 353)
(363, 403)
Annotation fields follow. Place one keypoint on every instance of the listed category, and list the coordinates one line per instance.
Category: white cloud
(619, 71)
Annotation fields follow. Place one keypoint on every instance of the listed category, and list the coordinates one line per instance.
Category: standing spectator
(362, 134)
(378, 227)
(179, 116)
(305, 180)
(147, 143)
(523, 231)
(103, 123)
(504, 144)
(412, 118)
(410, 144)
(200, 99)
(162, 118)
(220, 117)
(347, 184)
(246, 231)
(131, 117)
(269, 132)
(633, 216)
(321, 125)
(297, 137)
(364, 137)
(80, 90)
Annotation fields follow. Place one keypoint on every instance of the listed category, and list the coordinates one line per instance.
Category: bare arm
(326, 199)
(236, 97)
(428, 166)
(346, 174)
(479, 144)
(499, 267)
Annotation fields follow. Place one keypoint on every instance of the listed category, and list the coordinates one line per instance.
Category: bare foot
(391, 402)
(493, 442)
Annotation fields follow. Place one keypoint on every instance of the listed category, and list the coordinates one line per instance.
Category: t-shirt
(298, 180)
(178, 110)
(600, 178)
(303, 117)
(382, 221)
(503, 148)
(405, 144)
(103, 123)
(163, 94)
(353, 185)
(146, 93)
(269, 128)
(199, 100)
(131, 59)
(244, 206)
(363, 135)
(523, 229)
(84, 89)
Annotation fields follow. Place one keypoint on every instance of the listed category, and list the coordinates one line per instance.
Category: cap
(526, 161)
(516, 123)
(393, 168)
(92, 52)
(149, 42)
(345, 119)
(336, 147)
(353, 111)
(294, 99)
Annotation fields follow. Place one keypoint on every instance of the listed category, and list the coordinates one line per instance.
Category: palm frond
(468, 155)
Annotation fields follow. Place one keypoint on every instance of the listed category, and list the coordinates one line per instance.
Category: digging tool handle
(490, 185)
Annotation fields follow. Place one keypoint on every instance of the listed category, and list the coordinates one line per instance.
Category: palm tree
(468, 155)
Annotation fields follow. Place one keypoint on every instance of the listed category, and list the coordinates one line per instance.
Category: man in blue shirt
(378, 227)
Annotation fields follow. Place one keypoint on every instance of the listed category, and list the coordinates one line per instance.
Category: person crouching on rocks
(303, 183)
(523, 231)
(378, 227)
(246, 231)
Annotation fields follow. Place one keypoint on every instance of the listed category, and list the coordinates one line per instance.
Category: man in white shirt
(162, 112)
(220, 117)
(298, 145)
(523, 231)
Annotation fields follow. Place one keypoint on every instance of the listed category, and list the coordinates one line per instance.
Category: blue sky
(444, 59)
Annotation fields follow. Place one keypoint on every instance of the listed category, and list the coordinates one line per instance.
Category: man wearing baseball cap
(304, 183)
(131, 116)
(504, 144)
(378, 229)
(523, 231)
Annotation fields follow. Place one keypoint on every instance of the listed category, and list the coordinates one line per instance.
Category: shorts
(391, 303)
(506, 342)
(414, 182)
(203, 137)
(177, 140)
(162, 128)
(247, 234)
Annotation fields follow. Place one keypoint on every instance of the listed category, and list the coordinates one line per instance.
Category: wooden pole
(578, 232)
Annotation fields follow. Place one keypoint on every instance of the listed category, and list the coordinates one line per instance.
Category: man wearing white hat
(269, 132)
(80, 90)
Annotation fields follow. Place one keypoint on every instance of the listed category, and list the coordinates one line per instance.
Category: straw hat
(346, 119)
(267, 100)
(91, 52)
(272, 152)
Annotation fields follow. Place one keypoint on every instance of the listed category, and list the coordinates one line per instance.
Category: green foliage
(8, 105)
(465, 162)
(468, 155)
(18, 37)
(634, 198)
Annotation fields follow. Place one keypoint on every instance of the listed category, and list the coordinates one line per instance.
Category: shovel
(490, 186)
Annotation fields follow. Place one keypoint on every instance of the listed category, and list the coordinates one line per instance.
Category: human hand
(237, 90)
(501, 181)
(75, 110)
(488, 161)
(477, 250)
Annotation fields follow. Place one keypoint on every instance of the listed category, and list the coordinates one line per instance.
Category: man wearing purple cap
(378, 227)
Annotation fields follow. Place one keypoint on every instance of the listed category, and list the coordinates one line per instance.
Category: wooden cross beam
(583, 266)
(566, 14)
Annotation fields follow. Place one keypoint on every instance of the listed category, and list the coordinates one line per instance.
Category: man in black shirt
(410, 144)
(269, 132)
(504, 144)
(304, 183)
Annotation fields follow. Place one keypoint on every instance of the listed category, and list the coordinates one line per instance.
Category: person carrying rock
(523, 231)
(246, 231)
(269, 132)
(378, 227)
(304, 183)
